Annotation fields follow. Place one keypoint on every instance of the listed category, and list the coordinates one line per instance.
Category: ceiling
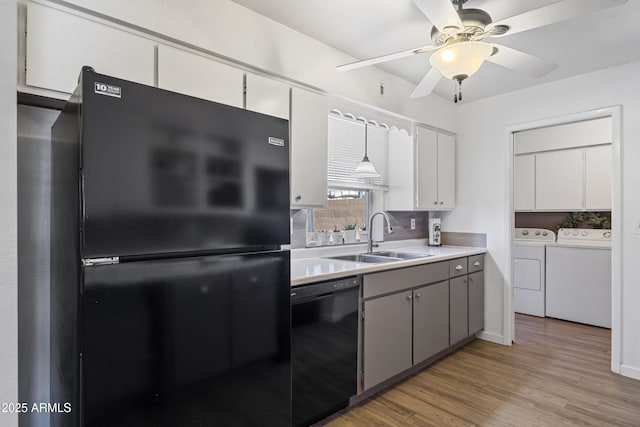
(369, 28)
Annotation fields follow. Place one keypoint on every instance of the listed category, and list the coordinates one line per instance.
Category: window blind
(346, 149)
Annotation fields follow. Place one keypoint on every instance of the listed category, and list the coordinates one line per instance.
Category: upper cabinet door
(598, 176)
(426, 168)
(400, 196)
(524, 182)
(59, 44)
(194, 75)
(446, 171)
(267, 96)
(560, 180)
(309, 136)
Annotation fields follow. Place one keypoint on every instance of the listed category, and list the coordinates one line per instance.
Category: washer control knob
(584, 233)
(537, 233)
(575, 233)
(525, 232)
(606, 234)
(544, 233)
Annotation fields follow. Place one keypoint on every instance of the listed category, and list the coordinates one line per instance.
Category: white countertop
(309, 266)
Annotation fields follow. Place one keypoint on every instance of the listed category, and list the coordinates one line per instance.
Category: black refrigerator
(169, 289)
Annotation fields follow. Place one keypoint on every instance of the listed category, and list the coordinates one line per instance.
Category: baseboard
(491, 336)
(630, 371)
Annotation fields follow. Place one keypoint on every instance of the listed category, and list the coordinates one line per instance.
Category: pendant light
(365, 169)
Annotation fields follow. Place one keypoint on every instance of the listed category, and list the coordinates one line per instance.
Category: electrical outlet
(636, 229)
(413, 223)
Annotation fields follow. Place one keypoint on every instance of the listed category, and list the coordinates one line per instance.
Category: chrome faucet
(389, 229)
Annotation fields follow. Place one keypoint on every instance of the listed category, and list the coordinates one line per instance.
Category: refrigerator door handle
(88, 262)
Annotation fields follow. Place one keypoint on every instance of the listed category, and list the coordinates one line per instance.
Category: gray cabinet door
(458, 306)
(387, 337)
(430, 320)
(476, 302)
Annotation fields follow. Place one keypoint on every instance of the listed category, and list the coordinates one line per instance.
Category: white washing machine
(529, 251)
(579, 277)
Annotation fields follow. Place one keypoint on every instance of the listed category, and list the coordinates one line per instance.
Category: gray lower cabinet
(430, 320)
(458, 309)
(387, 337)
(476, 302)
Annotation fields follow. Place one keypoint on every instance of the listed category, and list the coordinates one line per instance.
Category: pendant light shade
(460, 60)
(365, 169)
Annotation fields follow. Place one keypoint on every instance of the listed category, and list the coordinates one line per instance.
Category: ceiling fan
(458, 40)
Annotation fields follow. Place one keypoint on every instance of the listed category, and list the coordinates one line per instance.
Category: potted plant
(350, 232)
(323, 237)
(364, 234)
(335, 236)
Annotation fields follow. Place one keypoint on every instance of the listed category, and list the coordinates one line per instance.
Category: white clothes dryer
(529, 288)
(579, 277)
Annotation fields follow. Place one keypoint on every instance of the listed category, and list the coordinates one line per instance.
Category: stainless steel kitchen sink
(400, 255)
(367, 258)
(381, 256)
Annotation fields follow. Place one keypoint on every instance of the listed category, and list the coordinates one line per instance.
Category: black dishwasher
(324, 347)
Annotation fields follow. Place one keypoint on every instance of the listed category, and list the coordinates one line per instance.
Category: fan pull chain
(457, 96)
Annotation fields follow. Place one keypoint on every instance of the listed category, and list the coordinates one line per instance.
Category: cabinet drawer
(396, 280)
(457, 267)
(476, 263)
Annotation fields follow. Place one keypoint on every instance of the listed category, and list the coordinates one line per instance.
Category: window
(342, 221)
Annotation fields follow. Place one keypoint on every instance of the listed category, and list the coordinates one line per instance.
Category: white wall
(237, 33)
(483, 161)
(8, 211)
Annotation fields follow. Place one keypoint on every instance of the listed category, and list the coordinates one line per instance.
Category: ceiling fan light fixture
(461, 59)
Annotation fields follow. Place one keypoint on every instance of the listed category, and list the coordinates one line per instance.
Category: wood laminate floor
(557, 373)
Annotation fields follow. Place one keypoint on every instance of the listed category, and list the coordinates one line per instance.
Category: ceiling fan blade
(441, 13)
(556, 12)
(385, 58)
(427, 84)
(520, 61)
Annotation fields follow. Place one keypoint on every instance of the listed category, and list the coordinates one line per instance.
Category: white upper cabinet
(60, 43)
(524, 182)
(309, 135)
(421, 175)
(401, 196)
(598, 178)
(435, 169)
(191, 74)
(559, 180)
(267, 96)
(446, 171)
(564, 180)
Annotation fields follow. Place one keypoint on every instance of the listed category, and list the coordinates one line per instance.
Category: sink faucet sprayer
(389, 228)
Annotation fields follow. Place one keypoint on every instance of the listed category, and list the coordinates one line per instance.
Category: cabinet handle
(471, 279)
(476, 264)
(409, 297)
(417, 295)
(435, 203)
(458, 267)
(466, 280)
(442, 203)
(298, 198)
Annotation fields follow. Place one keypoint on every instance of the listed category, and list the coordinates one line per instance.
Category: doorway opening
(568, 188)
